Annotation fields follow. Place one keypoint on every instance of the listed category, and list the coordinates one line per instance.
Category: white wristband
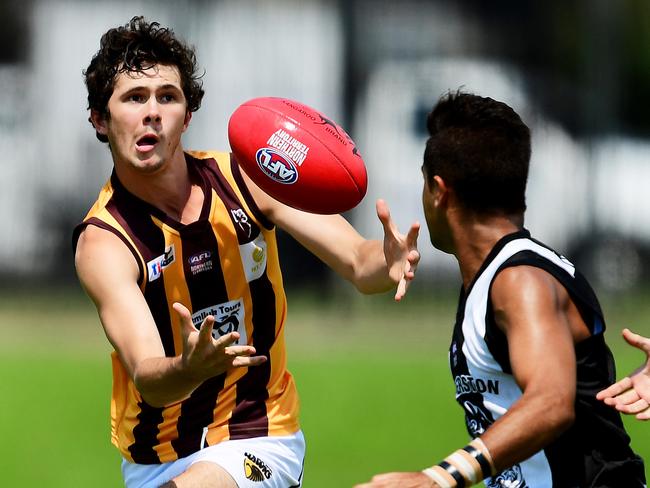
(440, 481)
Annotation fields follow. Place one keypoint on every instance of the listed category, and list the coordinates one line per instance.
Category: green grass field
(375, 389)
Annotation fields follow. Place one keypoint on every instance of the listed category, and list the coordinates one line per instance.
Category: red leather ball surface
(297, 155)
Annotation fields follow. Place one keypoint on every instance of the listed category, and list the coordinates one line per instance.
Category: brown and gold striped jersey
(225, 264)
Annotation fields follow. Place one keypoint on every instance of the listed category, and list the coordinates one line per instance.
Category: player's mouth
(146, 143)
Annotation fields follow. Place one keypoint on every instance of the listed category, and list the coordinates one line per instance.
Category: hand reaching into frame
(631, 395)
(400, 480)
(401, 251)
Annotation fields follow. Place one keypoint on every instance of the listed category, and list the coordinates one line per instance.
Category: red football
(297, 155)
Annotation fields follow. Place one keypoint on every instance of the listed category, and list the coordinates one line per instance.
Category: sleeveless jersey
(593, 452)
(225, 264)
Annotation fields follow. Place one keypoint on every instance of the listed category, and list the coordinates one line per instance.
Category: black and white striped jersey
(595, 451)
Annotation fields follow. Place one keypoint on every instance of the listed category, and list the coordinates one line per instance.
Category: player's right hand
(204, 356)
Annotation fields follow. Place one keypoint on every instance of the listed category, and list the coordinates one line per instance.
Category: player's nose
(152, 111)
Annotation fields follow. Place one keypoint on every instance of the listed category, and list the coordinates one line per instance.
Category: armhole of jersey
(590, 312)
(577, 287)
(103, 225)
(248, 198)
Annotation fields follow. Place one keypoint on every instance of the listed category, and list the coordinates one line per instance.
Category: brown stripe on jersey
(207, 288)
(146, 434)
(197, 412)
(249, 418)
(244, 226)
(151, 245)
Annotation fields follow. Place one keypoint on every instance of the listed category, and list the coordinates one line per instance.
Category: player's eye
(167, 98)
(137, 98)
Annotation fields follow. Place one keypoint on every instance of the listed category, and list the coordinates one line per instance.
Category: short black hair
(134, 47)
(481, 148)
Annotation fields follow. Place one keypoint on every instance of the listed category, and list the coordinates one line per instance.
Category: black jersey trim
(523, 233)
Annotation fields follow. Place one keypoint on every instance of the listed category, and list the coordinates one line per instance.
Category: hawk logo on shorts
(255, 469)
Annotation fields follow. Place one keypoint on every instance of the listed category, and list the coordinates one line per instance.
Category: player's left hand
(631, 395)
(400, 480)
(401, 251)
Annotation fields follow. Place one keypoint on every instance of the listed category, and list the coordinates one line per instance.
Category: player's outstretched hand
(400, 480)
(631, 395)
(204, 356)
(401, 251)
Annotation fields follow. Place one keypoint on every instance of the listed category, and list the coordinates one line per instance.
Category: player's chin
(151, 163)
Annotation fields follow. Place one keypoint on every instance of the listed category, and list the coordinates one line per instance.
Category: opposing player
(180, 258)
(631, 395)
(527, 353)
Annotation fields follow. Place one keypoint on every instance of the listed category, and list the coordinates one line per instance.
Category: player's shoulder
(100, 252)
(514, 285)
(515, 276)
(95, 239)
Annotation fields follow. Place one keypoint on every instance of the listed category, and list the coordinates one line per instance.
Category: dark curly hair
(135, 47)
(481, 148)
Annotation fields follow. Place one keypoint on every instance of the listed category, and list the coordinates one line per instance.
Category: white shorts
(260, 462)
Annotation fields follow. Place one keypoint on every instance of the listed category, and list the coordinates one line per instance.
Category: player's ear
(186, 122)
(99, 122)
(440, 190)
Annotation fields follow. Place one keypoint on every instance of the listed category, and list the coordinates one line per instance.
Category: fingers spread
(634, 407)
(615, 389)
(228, 339)
(645, 415)
(401, 290)
(205, 332)
(187, 327)
(384, 217)
(240, 350)
(246, 361)
(627, 398)
(633, 339)
(412, 236)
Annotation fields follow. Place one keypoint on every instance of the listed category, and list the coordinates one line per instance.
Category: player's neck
(169, 188)
(475, 237)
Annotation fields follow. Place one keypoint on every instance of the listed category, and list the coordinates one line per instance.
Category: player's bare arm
(130, 328)
(631, 395)
(373, 266)
(542, 325)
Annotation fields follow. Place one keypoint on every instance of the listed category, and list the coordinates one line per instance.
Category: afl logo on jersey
(276, 166)
(200, 262)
